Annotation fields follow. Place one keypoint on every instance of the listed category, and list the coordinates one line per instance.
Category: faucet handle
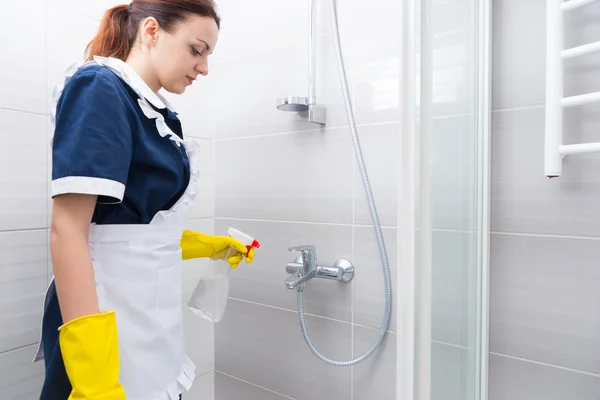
(306, 247)
(309, 255)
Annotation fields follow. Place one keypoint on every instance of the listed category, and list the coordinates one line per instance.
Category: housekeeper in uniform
(124, 178)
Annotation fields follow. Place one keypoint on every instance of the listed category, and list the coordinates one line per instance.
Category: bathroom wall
(38, 40)
(288, 183)
(545, 280)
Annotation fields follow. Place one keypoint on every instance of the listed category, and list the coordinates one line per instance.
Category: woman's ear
(150, 28)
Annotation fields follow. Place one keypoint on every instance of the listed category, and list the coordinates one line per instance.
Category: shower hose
(374, 217)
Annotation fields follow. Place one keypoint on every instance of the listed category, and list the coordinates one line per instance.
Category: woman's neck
(141, 67)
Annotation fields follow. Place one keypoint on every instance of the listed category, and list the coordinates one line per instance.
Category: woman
(123, 181)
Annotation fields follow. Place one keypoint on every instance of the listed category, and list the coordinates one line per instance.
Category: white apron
(138, 273)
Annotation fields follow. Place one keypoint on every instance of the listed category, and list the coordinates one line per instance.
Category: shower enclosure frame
(416, 39)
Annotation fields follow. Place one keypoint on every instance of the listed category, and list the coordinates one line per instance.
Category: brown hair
(119, 26)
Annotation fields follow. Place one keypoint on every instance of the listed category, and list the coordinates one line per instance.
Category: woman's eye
(196, 52)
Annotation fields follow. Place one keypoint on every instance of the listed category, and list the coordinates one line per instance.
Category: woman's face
(180, 56)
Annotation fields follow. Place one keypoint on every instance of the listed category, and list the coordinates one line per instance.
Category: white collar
(128, 74)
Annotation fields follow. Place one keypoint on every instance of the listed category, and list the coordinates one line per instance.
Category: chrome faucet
(305, 267)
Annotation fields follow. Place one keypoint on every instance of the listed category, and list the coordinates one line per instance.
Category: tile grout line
(544, 235)
(349, 225)
(519, 108)
(76, 12)
(336, 127)
(204, 374)
(213, 126)
(214, 172)
(253, 384)
(391, 227)
(450, 116)
(288, 310)
(452, 230)
(48, 219)
(200, 138)
(213, 210)
(305, 131)
(352, 288)
(577, 371)
(23, 111)
(352, 291)
(24, 230)
(374, 328)
(458, 346)
(23, 347)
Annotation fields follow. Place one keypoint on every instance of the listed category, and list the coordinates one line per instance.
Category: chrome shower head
(292, 103)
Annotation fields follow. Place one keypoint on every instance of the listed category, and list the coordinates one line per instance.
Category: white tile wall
(263, 281)
(23, 281)
(264, 346)
(309, 177)
(20, 379)
(519, 379)
(302, 176)
(230, 388)
(284, 27)
(288, 182)
(94, 9)
(528, 202)
(199, 335)
(545, 302)
(33, 61)
(368, 291)
(67, 36)
(195, 108)
(372, 61)
(252, 100)
(382, 170)
(23, 198)
(204, 205)
(23, 171)
(49, 134)
(544, 270)
(519, 53)
(193, 269)
(375, 378)
(22, 76)
(203, 389)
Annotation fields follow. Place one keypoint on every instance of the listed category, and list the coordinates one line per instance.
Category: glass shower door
(446, 112)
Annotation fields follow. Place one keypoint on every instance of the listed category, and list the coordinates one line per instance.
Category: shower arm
(312, 92)
(306, 106)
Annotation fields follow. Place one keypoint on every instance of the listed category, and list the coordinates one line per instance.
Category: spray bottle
(210, 296)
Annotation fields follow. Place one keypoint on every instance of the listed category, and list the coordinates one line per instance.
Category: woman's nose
(202, 69)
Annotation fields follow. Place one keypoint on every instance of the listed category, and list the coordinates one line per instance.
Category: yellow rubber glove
(200, 245)
(90, 350)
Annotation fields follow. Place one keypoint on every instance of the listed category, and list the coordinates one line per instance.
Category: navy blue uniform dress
(104, 145)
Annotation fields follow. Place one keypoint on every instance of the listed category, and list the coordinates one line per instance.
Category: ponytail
(114, 38)
(119, 26)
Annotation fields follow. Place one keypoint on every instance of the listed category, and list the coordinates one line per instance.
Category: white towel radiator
(555, 151)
